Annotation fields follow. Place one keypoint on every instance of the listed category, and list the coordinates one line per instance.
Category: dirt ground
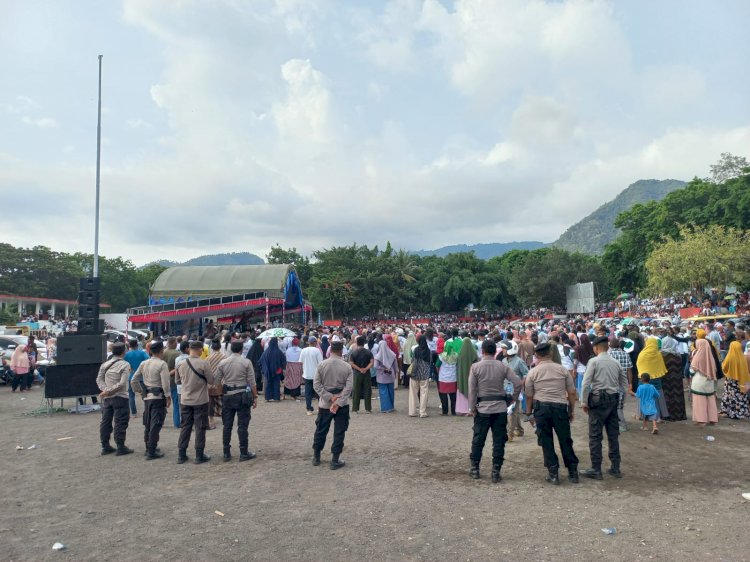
(404, 494)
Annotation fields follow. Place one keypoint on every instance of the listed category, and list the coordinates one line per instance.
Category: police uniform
(333, 377)
(194, 374)
(603, 380)
(549, 388)
(237, 376)
(154, 375)
(489, 402)
(113, 380)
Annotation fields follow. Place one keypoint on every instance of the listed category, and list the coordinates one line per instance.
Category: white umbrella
(278, 333)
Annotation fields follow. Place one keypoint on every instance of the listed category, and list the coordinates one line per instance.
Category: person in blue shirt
(647, 396)
(134, 357)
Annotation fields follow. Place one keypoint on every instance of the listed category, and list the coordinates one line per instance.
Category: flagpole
(98, 163)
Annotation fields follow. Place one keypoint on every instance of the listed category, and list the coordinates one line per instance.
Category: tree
(728, 167)
(279, 255)
(698, 258)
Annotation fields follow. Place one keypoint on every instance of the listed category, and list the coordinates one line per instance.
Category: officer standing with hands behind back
(603, 380)
(237, 377)
(551, 393)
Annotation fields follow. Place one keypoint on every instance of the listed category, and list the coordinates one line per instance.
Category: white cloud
(41, 122)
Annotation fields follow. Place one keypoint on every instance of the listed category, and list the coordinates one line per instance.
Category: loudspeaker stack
(80, 354)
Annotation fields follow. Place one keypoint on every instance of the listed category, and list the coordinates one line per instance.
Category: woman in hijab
(467, 356)
(19, 366)
(256, 350)
(584, 351)
(651, 361)
(419, 378)
(395, 346)
(293, 371)
(734, 402)
(409, 344)
(273, 363)
(673, 390)
(447, 384)
(703, 384)
(324, 345)
(386, 369)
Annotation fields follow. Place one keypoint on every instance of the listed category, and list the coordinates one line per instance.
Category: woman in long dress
(447, 385)
(467, 356)
(293, 370)
(703, 384)
(386, 371)
(273, 363)
(674, 393)
(651, 361)
(409, 344)
(735, 403)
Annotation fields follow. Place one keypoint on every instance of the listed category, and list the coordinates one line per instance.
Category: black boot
(573, 473)
(496, 473)
(227, 454)
(182, 456)
(336, 463)
(200, 458)
(316, 457)
(122, 450)
(474, 472)
(615, 470)
(154, 454)
(246, 455)
(593, 472)
(107, 448)
(156, 450)
(552, 477)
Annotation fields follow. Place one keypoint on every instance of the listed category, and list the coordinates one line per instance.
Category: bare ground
(405, 494)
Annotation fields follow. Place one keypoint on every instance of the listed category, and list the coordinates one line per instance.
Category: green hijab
(466, 357)
(409, 344)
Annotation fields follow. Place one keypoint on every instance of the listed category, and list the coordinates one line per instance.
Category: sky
(235, 125)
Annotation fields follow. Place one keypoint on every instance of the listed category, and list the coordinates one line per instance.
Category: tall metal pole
(98, 162)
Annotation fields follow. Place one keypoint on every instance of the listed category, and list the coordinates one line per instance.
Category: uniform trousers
(236, 405)
(154, 412)
(553, 418)
(193, 416)
(483, 423)
(362, 389)
(603, 417)
(340, 425)
(114, 409)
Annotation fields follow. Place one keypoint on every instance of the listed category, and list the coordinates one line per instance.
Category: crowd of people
(495, 372)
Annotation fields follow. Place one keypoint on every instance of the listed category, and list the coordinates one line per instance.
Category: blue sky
(233, 125)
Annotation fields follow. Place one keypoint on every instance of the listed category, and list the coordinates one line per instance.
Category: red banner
(689, 312)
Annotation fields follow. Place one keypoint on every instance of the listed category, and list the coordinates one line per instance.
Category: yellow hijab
(651, 361)
(735, 366)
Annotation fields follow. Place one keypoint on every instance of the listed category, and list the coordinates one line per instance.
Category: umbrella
(625, 296)
(278, 333)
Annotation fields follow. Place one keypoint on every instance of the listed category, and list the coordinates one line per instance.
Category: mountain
(592, 233)
(482, 251)
(233, 258)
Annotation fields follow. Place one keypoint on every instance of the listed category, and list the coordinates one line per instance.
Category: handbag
(701, 385)
(410, 370)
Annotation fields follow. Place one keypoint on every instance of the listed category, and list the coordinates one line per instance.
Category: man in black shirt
(361, 360)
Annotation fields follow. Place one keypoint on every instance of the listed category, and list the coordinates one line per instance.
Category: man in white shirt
(310, 357)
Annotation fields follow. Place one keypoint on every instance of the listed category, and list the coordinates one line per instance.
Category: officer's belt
(491, 398)
(228, 388)
(335, 390)
(154, 390)
(553, 405)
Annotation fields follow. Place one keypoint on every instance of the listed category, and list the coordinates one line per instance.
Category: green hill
(233, 258)
(592, 233)
(482, 251)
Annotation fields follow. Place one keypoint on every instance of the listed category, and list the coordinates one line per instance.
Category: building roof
(220, 280)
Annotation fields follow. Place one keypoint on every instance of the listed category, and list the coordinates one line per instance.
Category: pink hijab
(19, 361)
(703, 360)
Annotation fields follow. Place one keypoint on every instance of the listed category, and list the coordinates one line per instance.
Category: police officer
(488, 403)
(153, 375)
(550, 405)
(112, 380)
(333, 383)
(194, 374)
(236, 375)
(603, 380)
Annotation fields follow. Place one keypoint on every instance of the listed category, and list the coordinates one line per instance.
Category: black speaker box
(88, 298)
(90, 326)
(88, 310)
(66, 381)
(89, 284)
(81, 349)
